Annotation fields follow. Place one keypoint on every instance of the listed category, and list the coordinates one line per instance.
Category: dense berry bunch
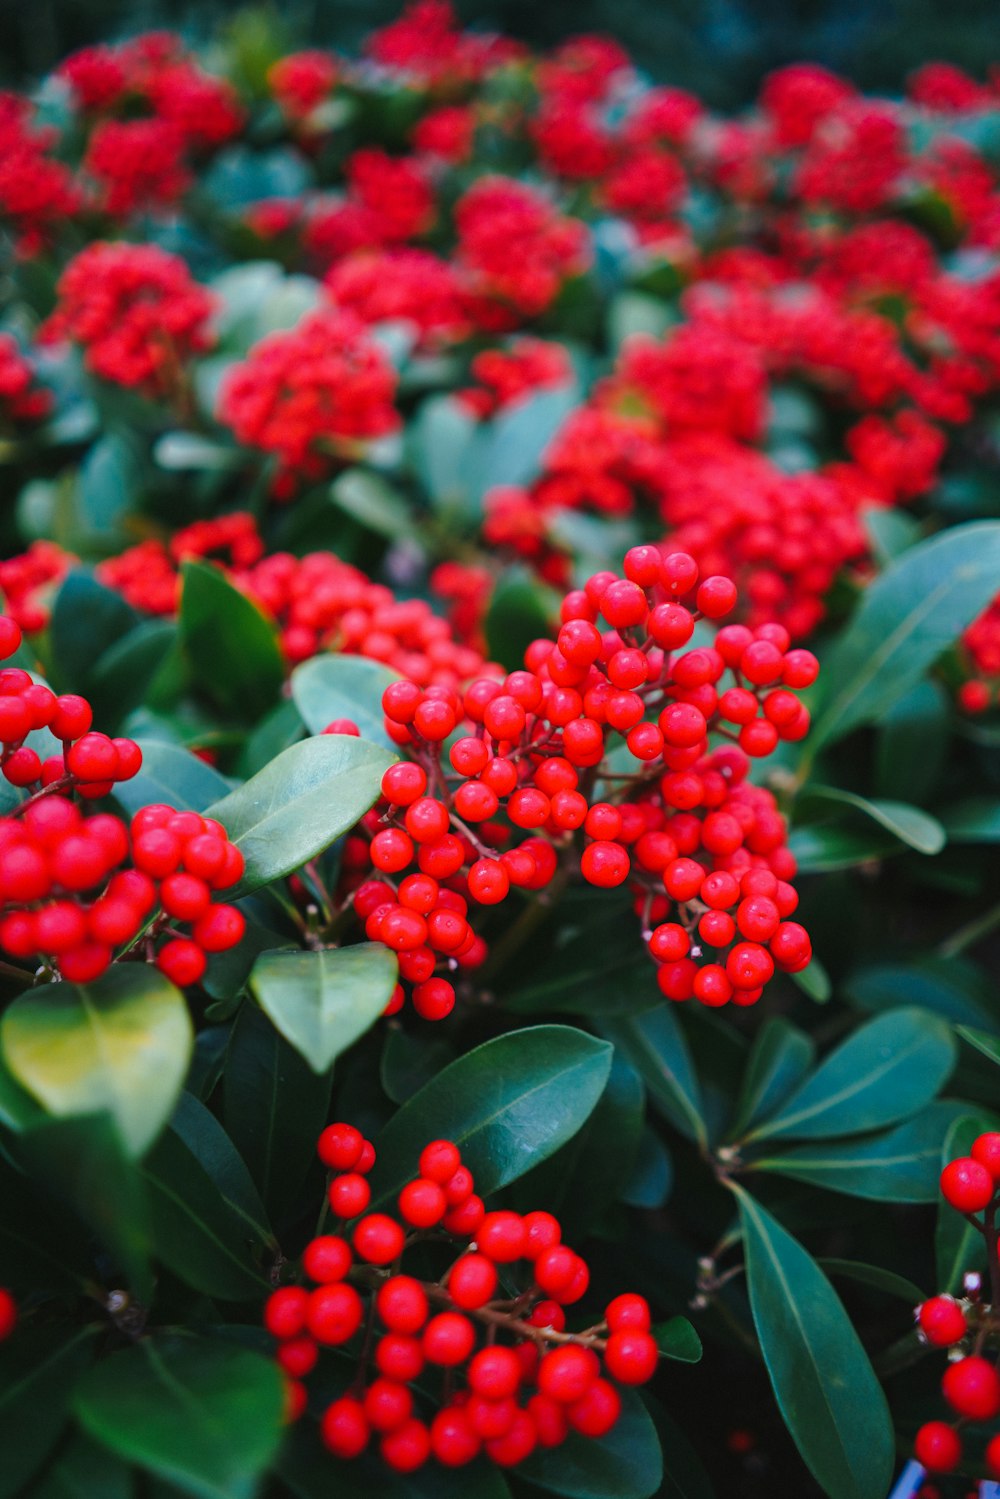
(136, 312)
(301, 81)
(515, 251)
(702, 849)
(980, 648)
(37, 192)
(506, 375)
(971, 1382)
(514, 1378)
(402, 285)
(313, 397)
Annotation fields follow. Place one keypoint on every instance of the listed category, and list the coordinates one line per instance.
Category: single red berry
(454, 1441)
(439, 1161)
(387, 1404)
(339, 1146)
(594, 1414)
(298, 1356)
(628, 1313)
(566, 1373)
(938, 1447)
(494, 1373)
(327, 1258)
(967, 1185)
(501, 1236)
(472, 1281)
(942, 1321)
(448, 1339)
(285, 1311)
(378, 1239)
(402, 1304)
(334, 1313)
(631, 1357)
(344, 1428)
(972, 1388)
(409, 1446)
(8, 1306)
(986, 1150)
(349, 1195)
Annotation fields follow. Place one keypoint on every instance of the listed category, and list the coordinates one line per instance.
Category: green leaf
(172, 775)
(514, 443)
(982, 1041)
(443, 436)
(106, 489)
(410, 1060)
(814, 981)
(907, 618)
(186, 451)
(201, 1236)
(781, 1057)
(958, 1247)
(902, 1165)
(42, 1248)
(911, 826)
(651, 1178)
(954, 988)
(202, 1413)
(824, 848)
(520, 610)
(890, 530)
(594, 966)
(683, 1474)
(367, 498)
(626, 1464)
(121, 1044)
(654, 1043)
(912, 744)
(976, 819)
(120, 679)
(82, 1470)
(38, 1370)
(87, 620)
(83, 1162)
(884, 1072)
(323, 1001)
(879, 1279)
(275, 732)
(301, 803)
(677, 1339)
(274, 1106)
(508, 1105)
(231, 647)
(826, 1389)
(334, 686)
(216, 1153)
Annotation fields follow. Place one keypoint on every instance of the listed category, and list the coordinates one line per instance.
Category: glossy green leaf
(274, 1106)
(907, 618)
(443, 437)
(521, 609)
(677, 1339)
(367, 498)
(81, 1469)
(912, 741)
(890, 530)
(202, 1413)
(651, 1179)
(824, 848)
(87, 620)
(683, 1474)
(107, 481)
(982, 1041)
(909, 824)
(42, 1247)
(121, 1044)
(207, 1240)
(336, 686)
(322, 1001)
(217, 1154)
(38, 1371)
(231, 647)
(626, 1464)
(654, 1043)
(954, 988)
(881, 1280)
(301, 803)
(514, 443)
(409, 1060)
(173, 775)
(508, 1105)
(958, 1247)
(884, 1072)
(594, 964)
(902, 1165)
(120, 680)
(825, 1386)
(780, 1058)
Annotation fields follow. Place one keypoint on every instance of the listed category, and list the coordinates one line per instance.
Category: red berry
(402, 1304)
(972, 1388)
(566, 1373)
(448, 1339)
(340, 1146)
(472, 1281)
(631, 1357)
(942, 1321)
(334, 1313)
(344, 1428)
(378, 1239)
(409, 1446)
(285, 1311)
(986, 1150)
(938, 1447)
(967, 1185)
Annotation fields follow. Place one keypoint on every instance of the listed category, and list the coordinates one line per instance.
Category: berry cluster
(703, 849)
(23, 401)
(513, 1377)
(312, 397)
(76, 891)
(971, 1382)
(136, 312)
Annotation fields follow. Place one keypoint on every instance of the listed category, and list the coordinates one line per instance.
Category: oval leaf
(886, 1071)
(38, 1369)
(173, 775)
(329, 687)
(825, 1386)
(323, 1001)
(782, 1055)
(204, 1414)
(911, 826)
(121, 1044)
(231, 647)
(906, 620)
(299, 804)
(654, 1043)
(508, 1105)
(626, 1464)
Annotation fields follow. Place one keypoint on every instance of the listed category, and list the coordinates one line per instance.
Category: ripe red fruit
(378, 1239)
(448, 1339)
(344, 1427)
(972, 1388)
(285, 1311)
(8, 1306)
(500, 1236)
(986, 1150)
(327, 1258)
(409, 1446)
(439, 1161)
(631, 1357)
(494, 1373)
(942, 1321)
(566, 1373)
(454, 1442)
(967, 1185)
(938, 1447)
(472, 1281)
(334, 1313)
(628, 1313)
(422, 1203)
(402, 1304)
(594, 1414)
(349, 1195)
(387, 1404)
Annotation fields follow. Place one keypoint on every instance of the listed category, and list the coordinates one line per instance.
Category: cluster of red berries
(137, 313)
(515, 251)
(400, 284)
(506, 375)
(703, 849)
(980, 650)
(22, 400)
(76, 890)
(313, 396)
(513, 1377)
(971, 1382)
(90, 763)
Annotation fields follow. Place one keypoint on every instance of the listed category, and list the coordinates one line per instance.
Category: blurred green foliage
(719, 48)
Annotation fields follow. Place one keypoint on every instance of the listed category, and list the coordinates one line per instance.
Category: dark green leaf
(208, 1142)
(907, 618)
(823, 848)
(513, 444)
(683, 1474)
(121, 1045)
(334, 686)
(654, 1043)
(106, 489)
(443, 436)
(202, 1413)
(780, 1059)
(678, 1340)
(409, 1060)
(42, 1247)
(626, 1464)
(912, 743)
(982, 1041)
(652, 1175)
(300, 803)
(322, 1001)
(87, 620)
(902, 1165)
(231, 647)
(886, 1071)
(826, 1389)
(120, 680)
(508, 1105)
(886, 1281)
(521, 609)
(172, 775)
(38, 1370)
(974, 820)
(274, 1107)
(953, 988)
(275, 732)
(82, 1470)
(911, 826)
